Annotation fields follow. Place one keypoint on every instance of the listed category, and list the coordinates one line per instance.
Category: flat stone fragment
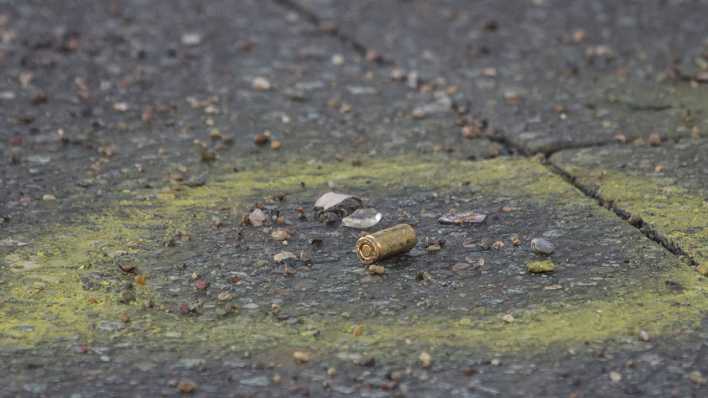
(469, 217)
(663, 187)
(257, 217)
(331, 199)
(283, 256)
(332, 207)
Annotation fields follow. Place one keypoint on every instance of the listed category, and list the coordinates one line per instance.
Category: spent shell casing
(386, 243)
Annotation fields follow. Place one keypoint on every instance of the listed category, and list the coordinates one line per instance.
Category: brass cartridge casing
(386, 243)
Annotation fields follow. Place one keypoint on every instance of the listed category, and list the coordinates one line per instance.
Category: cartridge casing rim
(375, 242)
(371, 241)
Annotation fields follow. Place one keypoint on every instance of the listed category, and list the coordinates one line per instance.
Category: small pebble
(302, 356)
(186, 386)
(616, 377)
(224, 296)
(425, 359)
(697, 377)
(433, 247)
(261, 84)
(376, 269)
(542, 246)
(191, 39)
(201, 284)
(282, 256)
(280, 234)
(127, 267)
(515, 240)
(120, 107)
(262, 138)
(257, 217)
(654, 139)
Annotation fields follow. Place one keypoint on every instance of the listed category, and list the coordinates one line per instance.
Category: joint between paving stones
(362, 50)
(508, 145)
(649, 231)
(315, 20)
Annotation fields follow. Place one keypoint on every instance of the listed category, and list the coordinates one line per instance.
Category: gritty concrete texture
(665, 187)
(68, 284)
(548, 74)
(137, 94)
(138, 136)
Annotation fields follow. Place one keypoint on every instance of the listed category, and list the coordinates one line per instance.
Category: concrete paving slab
(549, 74)
(126, 269)
(645, 368)
(174, 270)
(664, 187)
(130, 95)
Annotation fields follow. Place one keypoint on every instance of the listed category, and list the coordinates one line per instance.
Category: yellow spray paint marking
(652, 308)
(676, 213)
(46, 300)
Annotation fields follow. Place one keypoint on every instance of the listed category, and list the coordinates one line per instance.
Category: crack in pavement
(364, 52)
(634, 220)
(508, 145)
(314, 19)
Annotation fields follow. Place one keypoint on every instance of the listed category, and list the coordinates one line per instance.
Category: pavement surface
(161, 161)
(547, 75)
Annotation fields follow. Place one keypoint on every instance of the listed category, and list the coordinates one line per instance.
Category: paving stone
(333, 269)
(606, 270)
(139, 214)
(546, 75)
(586, 371)
(540, 203)
(325, 100)
(665, 186)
